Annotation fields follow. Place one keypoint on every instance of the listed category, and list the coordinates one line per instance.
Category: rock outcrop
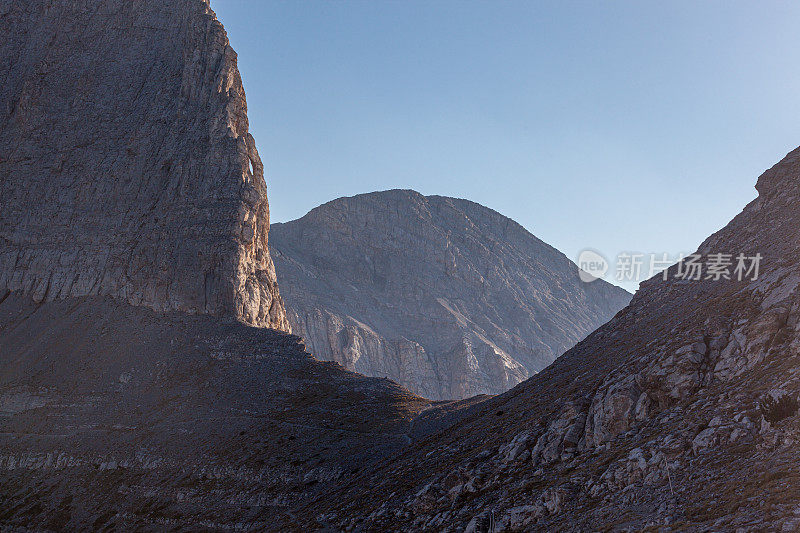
(680, 414)
(126, 165)
(445, 296)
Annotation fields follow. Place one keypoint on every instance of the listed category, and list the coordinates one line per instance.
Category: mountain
(134, 392)
(681, 413)
(113, 416)
(128, 169)
(446, 297)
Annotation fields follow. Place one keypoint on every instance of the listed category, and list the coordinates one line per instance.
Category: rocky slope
(115, 417)
(445, 296)
(662, 419)
(126, 163)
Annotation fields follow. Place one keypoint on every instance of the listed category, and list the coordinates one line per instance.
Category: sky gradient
(616, 126)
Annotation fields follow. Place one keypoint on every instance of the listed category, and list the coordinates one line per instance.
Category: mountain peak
(443, 295)
(781, 178)
(684, 403)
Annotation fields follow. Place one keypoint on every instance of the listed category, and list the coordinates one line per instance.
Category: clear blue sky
(620, 126)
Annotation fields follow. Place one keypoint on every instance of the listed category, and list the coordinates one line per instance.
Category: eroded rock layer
(126, 166)
(447, 297)
(116, 417)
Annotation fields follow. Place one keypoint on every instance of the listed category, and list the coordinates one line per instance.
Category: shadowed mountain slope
(114, 416)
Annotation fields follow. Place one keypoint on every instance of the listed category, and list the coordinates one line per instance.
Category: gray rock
(515, 449)
(705, 439)
(234, 428)
(126, 162)
(442, 295)
(211, 406)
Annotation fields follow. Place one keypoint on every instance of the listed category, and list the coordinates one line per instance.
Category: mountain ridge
(137, 408)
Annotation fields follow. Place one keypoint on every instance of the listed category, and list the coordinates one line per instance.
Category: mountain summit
(127, 166)
(445, 296)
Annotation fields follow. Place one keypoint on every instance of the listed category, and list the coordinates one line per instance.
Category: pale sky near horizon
(616, 126)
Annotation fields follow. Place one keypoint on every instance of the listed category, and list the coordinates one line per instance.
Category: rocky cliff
(680, 414)
(126, 166)
(445, 296)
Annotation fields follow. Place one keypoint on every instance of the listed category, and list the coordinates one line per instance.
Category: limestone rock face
(680, 413)
(126, 166)
(445, 296)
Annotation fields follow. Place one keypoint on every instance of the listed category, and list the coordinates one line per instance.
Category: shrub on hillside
(774, 409)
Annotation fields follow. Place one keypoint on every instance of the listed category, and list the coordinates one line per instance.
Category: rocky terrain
(680, 414)
(445, 296)
(135, 393)
(126, 166)
(117, 417)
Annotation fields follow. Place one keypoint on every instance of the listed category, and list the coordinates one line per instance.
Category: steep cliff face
(126, 166)
(681, 413)
(445, 296)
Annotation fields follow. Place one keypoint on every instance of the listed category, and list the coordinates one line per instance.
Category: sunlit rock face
(445, 296)
(126, 166)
